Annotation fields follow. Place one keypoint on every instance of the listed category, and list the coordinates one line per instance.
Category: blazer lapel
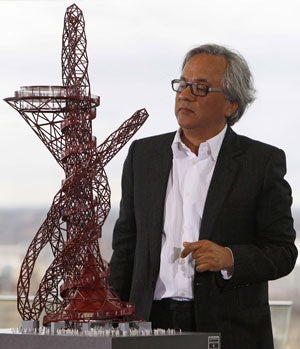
(222, 180)
(160, 164)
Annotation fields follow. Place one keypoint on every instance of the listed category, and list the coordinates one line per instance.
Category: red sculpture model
(75, 286)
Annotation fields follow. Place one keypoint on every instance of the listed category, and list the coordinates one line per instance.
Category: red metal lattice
(75, 286)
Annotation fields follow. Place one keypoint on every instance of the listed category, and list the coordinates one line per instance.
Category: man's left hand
(208, 256)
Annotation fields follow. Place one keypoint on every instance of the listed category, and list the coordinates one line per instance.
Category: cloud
(135, 48)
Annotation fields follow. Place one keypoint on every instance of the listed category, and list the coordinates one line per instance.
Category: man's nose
(186, 93)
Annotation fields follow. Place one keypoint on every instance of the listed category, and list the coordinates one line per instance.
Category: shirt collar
(214, 144)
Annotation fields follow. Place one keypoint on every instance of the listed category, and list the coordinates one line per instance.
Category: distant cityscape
(17, 229)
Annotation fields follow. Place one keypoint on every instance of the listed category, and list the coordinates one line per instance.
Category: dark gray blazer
(247, 209)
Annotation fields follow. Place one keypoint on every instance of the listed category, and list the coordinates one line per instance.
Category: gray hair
(237, 82)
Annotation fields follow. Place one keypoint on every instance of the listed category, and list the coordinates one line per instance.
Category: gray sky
(138, 46)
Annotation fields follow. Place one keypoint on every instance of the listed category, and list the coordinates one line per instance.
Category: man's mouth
(185, 110)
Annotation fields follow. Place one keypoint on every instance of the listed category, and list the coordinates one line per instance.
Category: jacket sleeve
(124, 235)
(273, 253)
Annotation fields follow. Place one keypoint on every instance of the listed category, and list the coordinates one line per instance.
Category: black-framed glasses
(197, 88)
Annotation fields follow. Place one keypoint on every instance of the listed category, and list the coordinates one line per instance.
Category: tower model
(75, 287)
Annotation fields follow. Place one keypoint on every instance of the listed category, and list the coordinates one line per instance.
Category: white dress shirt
(186, 193)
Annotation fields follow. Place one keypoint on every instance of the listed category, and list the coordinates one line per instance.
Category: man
(205, 217)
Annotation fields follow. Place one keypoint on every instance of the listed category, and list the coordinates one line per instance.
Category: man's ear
(231, 108)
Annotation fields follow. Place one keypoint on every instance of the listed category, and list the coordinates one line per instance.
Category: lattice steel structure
(75, 286)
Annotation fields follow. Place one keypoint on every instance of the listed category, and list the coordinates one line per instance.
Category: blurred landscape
(18, 227)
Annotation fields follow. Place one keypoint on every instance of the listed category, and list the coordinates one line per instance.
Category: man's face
(206, 115)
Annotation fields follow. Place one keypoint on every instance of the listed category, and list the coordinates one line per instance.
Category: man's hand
(208, 256)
